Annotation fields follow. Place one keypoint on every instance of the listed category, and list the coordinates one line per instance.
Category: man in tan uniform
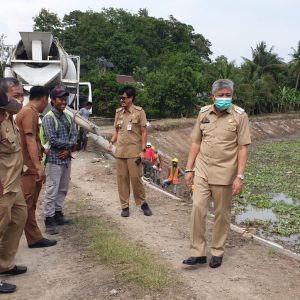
(34, 175)
(13, 211)
(131, 137)
(216, 163)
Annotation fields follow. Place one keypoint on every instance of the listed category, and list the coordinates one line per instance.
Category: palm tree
(264, 61)
(263, 74)
(295, 63)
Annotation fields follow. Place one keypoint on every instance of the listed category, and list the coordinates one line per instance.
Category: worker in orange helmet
(174, 173)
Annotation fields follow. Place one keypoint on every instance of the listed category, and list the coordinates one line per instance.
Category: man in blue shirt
(61, 135)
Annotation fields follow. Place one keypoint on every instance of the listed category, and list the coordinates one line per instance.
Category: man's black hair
(129, 90)
(38, 92)
(8, 82)
(88, 103)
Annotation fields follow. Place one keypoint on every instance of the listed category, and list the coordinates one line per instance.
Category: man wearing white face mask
(13, 209)
(216, 165)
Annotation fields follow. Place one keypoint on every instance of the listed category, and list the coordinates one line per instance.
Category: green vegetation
(132, 263)
(272, 253)
(264, 224)
(274, 168)
(170, 62)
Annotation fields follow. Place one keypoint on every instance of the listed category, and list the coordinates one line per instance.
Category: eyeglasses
(122, 98)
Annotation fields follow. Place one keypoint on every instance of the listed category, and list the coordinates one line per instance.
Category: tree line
(170, 63)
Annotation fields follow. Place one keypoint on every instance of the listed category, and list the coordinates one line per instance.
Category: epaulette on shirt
(205, 108)
(238, 109)
(138, 108)
(119, 109)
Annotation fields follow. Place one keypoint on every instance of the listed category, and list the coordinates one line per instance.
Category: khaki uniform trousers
(31, 190)
(13, 214)
(127, 170)
(221, 195)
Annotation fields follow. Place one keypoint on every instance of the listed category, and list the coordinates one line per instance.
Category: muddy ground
(249, 271)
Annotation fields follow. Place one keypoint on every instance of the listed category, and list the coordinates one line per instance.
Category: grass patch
(132, 263)
(272, 253)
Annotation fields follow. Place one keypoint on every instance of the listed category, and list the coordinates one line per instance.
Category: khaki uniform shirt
(128, 124)
(27, 120)
(219, 138)
(11, 160)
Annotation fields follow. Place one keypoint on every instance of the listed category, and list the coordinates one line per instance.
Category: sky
(232, 26)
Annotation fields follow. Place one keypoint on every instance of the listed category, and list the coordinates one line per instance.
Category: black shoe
(6, 288)
(16, 270)
(43, 243)
(51, 227)
(215, 261)
(194, 260)
(125, 212)
(60, 219)
(146, 209)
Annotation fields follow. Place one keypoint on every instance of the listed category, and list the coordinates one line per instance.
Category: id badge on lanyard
(129, 125)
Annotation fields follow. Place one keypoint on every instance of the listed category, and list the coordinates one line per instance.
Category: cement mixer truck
(39, 59)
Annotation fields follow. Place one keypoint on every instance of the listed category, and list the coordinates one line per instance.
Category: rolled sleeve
(196, 134)
(28, 122)
(244, 136)
(143, 119)
(115, 122)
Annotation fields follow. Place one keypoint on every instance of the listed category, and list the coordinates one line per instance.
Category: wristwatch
(240, 176)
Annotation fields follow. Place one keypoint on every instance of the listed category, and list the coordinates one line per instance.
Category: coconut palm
(264, 61)
(295, 63)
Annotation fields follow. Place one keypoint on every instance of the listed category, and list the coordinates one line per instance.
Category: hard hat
(148, 144)
(175, 160)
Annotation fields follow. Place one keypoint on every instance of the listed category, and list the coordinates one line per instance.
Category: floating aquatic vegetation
(272, 189)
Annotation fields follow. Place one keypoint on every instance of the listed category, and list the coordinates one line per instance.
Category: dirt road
(249, 271)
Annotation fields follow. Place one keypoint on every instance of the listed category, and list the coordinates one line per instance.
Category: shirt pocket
(205, 129)
(135, 120)
(229, 132)
(136, 124)
(119, 124)
(9, 141)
